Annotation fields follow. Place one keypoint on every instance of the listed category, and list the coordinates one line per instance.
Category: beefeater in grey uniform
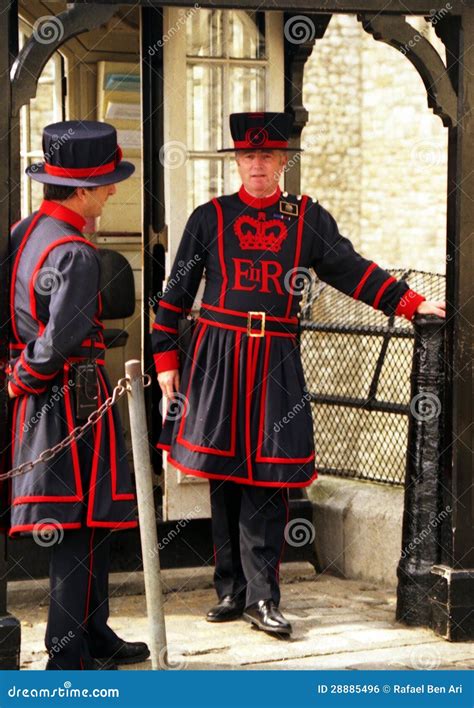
(75, 500)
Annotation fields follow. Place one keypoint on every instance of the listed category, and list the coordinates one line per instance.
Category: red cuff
(409, 304)
(16, 390)
(164, 361)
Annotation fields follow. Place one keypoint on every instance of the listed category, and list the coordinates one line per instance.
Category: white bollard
(146, 516)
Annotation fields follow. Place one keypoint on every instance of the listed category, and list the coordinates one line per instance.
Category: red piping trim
(22, 419)
(27, 367)
(259, 202)
(220, 243)
(244, 329)
(368, 271)
(239, 480)
(261, 427)
(233, 423)
(15, 271)
(266, 145)
(299, 236)
(174, 308)
(277, 569)
(30, 527)
(39, 264)
(381, 290)
(89, 582)
(239, 313)
(14, 425)
(164, 328)
(113, 450)
(62, 213)
(20, 384)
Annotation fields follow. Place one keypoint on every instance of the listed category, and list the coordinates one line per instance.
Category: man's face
(260, 170)
(93, 200)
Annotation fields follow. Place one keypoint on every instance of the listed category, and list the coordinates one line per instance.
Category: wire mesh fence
(357, 364)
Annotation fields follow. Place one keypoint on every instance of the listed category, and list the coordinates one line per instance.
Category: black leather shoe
(126, 653)
(265, 615)
(229, 608)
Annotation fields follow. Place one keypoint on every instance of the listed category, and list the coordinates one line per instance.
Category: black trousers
(77, 626)
(248, 526)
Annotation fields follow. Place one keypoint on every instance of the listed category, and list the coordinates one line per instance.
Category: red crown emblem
(256, 234)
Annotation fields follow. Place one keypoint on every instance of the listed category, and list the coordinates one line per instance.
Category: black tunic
(55, 322)
(242, 411)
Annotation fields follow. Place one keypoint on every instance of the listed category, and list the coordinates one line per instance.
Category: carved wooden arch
(45, 40)
(397, 32)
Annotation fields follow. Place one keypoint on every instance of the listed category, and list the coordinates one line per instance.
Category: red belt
(255, 323)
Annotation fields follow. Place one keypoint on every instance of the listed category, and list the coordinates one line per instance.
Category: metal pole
(147, 517)
(424, 515)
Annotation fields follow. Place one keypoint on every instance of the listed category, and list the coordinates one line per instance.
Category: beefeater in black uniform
(75, 500)
(239, 416)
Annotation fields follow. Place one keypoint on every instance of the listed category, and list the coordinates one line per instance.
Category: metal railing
(357, 364)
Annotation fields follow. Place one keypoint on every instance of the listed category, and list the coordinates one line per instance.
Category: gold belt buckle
(249, 323)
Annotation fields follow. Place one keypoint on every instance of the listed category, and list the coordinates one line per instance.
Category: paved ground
(337, 624)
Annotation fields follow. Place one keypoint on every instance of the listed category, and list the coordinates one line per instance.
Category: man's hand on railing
(169, 382)
(431, 308)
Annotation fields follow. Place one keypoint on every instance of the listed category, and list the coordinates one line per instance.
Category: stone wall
(376, 155)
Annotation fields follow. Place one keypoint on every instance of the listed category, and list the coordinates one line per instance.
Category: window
(226, 63)
(46, 107)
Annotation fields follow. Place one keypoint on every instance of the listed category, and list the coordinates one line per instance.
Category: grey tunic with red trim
(55, 321)
(242, 412)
